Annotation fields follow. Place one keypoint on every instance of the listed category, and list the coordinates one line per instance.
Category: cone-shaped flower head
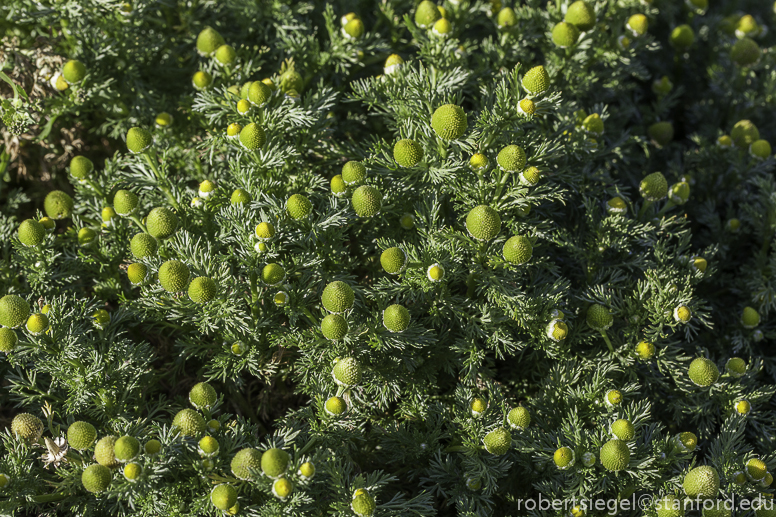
(536, 80)
(426, 13)
(244, 461)
(703, 372)
(208, 41)
(347, 372)
(449, 122)
(139, 140)
(565, 35)
(58, 205)
(653, 187)
(615, 455)
(14, 310)
(581, 14)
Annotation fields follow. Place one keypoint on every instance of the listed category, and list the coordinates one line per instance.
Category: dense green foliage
(269, 257)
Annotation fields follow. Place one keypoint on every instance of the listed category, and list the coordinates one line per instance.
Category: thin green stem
(481, 181)
(49, 498)
(309, 315)
(471, 286)
(254, 296)
(442, 148)
(668, 206)
(500, 186)
(152, 163)
(481, 252)
(161, 180)
(228, 71)
(644, 208)
(163, 252)
(223, 479)
(170, 197)
(608, 341)
(308, 445)
(137, 221)
(96, 188)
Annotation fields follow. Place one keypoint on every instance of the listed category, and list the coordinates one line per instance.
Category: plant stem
(308, 445)
(309, 315)
(96, 188)
(481, 253)
(501, 184)
(481, 181)
(152, 163)
(135, 218)
(668, 206)
(48, 498)
(442, 148)
(608, 341)
(161, 180)
(254, 296)
(644, 207)
(223, 479)
(471, 286)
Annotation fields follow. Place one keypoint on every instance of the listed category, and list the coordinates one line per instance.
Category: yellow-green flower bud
(449, 122)
(703, 372)
(744, 133)
(638, 24)
(653, 187)
(73, 71)
(536, 80)
(682, 37)
(565, 35)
